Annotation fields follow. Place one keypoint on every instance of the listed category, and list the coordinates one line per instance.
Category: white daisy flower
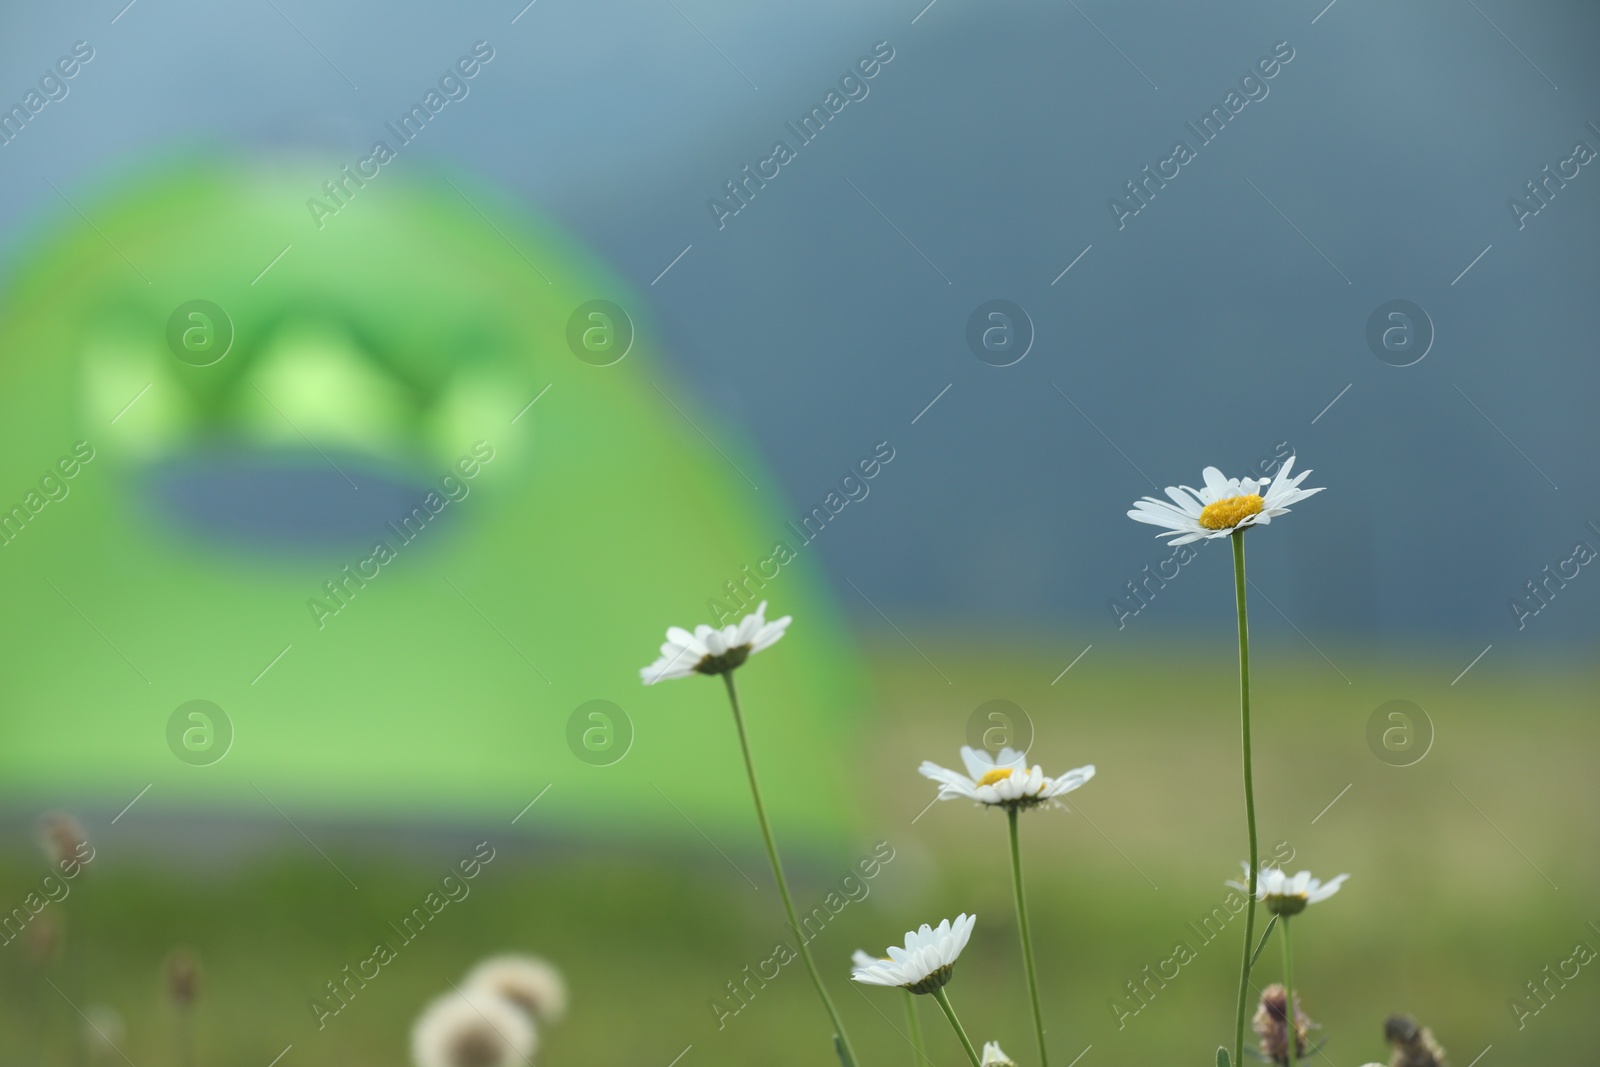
(860, 959)
(1223, 506)
(712, 651)
(530, 983)
(994, 1056)
(472, 1030)
(1005, 780)
(927, 961)
(1286, 894)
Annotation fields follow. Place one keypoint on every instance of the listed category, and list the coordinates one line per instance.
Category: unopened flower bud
(183, 979)
(994, 1056)
(61, 836)
(1413, 1045)
(1271, 1026)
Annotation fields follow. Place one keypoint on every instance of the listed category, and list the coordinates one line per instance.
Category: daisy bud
(530, 983)
(1271, 1027)
(183, 979)
(1413, 1045)
(60, 835)
(993, 1056)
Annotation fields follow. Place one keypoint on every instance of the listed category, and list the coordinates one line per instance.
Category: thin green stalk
(950, 1013)
(76, 965)
(1026, 934)
(777, 872)
(914, 1025)
(1249, 786)
(186, 1037)
(1288, 992)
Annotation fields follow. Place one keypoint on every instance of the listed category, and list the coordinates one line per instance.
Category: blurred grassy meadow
(1447, 915)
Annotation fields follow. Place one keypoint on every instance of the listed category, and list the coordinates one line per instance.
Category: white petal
(1329, 889)
(1171, 519)
(1186, 500)
(1217, 486)
(877, 977)
(677, 635)
(977, 761)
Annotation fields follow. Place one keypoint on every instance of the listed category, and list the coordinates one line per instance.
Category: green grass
(1443, 916)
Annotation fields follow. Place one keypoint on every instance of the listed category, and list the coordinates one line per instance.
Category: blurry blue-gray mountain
(823, 194)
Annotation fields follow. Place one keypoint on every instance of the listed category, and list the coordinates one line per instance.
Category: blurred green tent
(235, 463)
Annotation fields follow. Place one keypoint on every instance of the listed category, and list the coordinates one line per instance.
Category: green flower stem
(1026, 934)
(186, 1036)
(919, 1056)
(777, 872)
(1249, 786)
(950, 1013)
(1288, 992)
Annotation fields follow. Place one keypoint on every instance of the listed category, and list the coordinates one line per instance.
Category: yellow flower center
(999, 774)
(1230, 512)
